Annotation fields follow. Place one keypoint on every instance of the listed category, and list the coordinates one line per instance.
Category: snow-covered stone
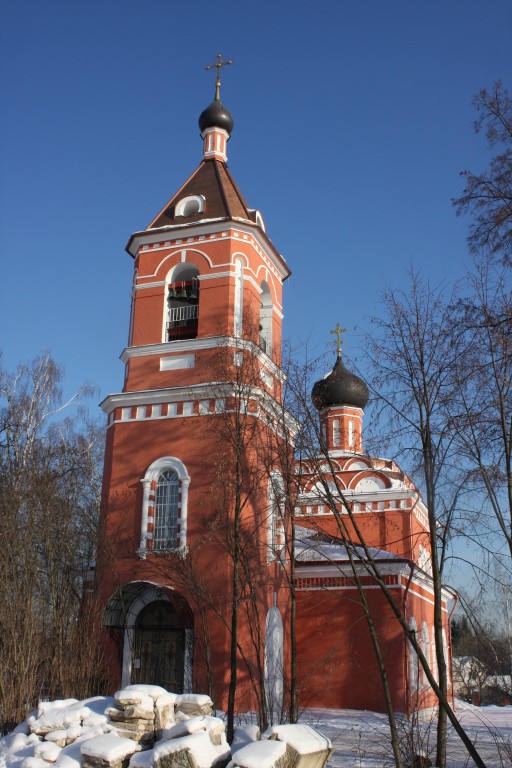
(47, 751)
(194, 704)
(61, 715)
(164, 710)
(133, 700)
(303, 738)
(245, 734)
(197, 749)
(33, 762)
(214, 726)
(260, 754)
(154, 691)
(306, 747)
(109, 751)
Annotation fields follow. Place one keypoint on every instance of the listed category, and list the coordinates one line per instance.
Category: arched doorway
(158, 635)
(159, 648)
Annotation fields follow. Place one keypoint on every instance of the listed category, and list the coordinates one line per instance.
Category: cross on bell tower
(339, 341)
(218, 66)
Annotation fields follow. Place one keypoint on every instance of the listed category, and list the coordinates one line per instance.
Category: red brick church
(195, 532)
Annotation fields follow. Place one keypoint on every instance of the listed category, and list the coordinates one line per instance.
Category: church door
(159, 648)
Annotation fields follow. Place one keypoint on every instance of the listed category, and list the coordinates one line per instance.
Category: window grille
(166, 511)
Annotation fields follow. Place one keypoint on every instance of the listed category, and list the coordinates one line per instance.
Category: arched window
(275, 524)
(165, 530)
(239, 297)
(164, 507)
(425, 647)
(336, 432)
(433, 663)
(265, 318)
(413, 660)
(190, 206)
(274, 641)
(182, 303)
(350, 434)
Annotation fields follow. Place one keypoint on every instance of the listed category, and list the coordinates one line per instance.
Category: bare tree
(413, 355)
(487, 196)
(49, 495)
(481, 403)
(363, 563)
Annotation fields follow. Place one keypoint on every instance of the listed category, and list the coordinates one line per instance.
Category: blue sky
(100, 102)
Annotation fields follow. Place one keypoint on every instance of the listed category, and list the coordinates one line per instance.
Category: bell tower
(207, 286)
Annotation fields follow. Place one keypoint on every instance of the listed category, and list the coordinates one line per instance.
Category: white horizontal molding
(210, 391)
(194, 345)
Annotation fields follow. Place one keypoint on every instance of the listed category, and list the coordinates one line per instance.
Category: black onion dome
(340, 387)
(216, 116)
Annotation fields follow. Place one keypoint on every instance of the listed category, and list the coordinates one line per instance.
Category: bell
(193, 292)
(183, 293)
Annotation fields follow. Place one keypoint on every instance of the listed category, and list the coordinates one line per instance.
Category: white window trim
(274, 517)
(413, 659)
(190, 206)
(151, 476)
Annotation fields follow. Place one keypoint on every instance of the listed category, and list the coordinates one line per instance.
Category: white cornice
(385, 568)
(193, 345)
(193, 392)
(164, 395)
(209, 227)
(361, 496)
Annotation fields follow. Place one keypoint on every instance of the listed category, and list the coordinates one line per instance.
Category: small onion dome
(340, 387)
(216, 116)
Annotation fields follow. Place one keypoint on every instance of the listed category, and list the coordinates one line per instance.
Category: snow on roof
(311, 546)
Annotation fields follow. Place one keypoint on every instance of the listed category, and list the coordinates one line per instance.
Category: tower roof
(222, 198)
(340, 387)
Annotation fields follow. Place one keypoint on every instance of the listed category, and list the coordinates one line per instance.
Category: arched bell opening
(158, 635)
(265, 341)
(182, 303)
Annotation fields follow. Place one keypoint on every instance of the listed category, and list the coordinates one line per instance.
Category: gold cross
(338, 331)
(218, 66)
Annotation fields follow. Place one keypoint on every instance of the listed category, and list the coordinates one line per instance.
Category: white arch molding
(413, 659)
(151, 476)
(274, 636)
(151, 594)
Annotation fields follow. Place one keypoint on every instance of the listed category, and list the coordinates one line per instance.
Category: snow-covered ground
(361, 739)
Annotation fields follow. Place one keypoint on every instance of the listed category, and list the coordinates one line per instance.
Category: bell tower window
(265, 341)
(182, 304)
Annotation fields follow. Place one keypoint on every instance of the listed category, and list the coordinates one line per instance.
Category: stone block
(194, 704)
(264, 754)
(107, 751)
(305, 746)
(135, 725)
(164, 711)
(131, 712)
